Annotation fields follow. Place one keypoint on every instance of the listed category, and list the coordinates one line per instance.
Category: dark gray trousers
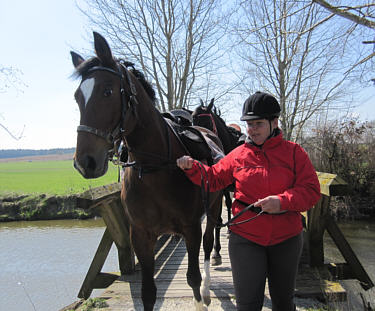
(253, 263)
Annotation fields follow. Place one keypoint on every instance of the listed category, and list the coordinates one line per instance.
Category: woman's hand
(185, 162)
(270, 204)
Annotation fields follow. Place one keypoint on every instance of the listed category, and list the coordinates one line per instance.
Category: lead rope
(205, 188)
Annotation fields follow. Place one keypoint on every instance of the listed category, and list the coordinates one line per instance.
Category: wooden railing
(318, 220)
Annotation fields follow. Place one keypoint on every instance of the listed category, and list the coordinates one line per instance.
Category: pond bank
(16, 207)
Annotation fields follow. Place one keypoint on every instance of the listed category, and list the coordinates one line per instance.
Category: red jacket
(279, 168)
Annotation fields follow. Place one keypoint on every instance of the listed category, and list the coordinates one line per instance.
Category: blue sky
(37, 37)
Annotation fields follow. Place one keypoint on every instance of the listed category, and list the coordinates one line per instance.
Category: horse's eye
(107, 92)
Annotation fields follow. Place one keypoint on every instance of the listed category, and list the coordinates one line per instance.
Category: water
(43, 263)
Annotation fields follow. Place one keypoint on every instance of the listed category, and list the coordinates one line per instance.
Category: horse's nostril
(91, 163)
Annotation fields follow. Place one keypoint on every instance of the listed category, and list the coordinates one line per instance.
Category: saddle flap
(192, 134)
(196, 143)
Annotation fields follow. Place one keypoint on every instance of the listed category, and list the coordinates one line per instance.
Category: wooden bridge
(316, 279)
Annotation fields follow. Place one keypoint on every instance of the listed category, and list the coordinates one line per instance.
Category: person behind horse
(278, 177)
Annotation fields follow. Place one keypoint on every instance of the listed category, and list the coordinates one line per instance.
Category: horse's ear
(102, 49)
(76, 59)
(202, 103)
(209, 107)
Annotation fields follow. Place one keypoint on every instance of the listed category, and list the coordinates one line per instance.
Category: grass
(49, 177)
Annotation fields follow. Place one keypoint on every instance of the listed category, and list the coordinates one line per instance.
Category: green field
(49, 177)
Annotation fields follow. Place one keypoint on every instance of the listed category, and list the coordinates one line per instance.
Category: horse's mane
(83, 69)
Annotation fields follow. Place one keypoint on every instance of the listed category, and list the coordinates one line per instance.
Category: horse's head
(203, 116)
(103, 99)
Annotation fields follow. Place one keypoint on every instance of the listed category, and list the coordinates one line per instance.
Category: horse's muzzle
(89, 167)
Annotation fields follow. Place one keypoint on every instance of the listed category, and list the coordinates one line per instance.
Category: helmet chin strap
(271, 131)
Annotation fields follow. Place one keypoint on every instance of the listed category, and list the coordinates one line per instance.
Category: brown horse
(116, 102)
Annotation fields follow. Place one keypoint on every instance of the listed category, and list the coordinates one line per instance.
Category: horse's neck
(223, 134)
(149, 135)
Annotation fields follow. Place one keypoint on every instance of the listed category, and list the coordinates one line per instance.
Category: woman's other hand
(270, 204)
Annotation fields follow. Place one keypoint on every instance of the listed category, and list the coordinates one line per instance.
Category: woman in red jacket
(278, 178)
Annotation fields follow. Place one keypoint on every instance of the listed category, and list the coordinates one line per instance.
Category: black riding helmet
(260, 106)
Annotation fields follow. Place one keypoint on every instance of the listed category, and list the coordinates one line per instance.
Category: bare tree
(176, 42)
(286, 54)
(360, 14)
(10, 78)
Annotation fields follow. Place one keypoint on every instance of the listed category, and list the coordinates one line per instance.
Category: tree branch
(344, 13)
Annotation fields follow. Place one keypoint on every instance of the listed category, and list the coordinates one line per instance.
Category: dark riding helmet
(260, 106)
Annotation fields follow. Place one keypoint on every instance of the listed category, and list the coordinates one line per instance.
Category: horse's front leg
(143, 243)
(208, 241)
(193, 236)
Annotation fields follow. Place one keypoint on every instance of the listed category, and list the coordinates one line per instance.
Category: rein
(205, 188)
(214, 129)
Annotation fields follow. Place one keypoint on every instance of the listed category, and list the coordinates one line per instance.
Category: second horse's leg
(216, 257)
(193, 236)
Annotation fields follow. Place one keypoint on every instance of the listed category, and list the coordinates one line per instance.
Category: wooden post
(316, 227)
(96, 266)
(107, 200)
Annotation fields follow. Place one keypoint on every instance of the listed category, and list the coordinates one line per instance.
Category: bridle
(214, 129)
(127, 100)
(114, 137)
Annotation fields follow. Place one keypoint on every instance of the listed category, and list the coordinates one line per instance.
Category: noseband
(127, 99)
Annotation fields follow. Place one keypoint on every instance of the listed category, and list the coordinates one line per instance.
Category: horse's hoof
(199, 306)
(216, 260)
(206, 300)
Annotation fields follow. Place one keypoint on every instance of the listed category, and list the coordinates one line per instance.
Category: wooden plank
(115, 219)
(170, 278)
(348, 254)
(96, 265)
(332, 185)
(103, 280)
(92, 197)
(340, 271)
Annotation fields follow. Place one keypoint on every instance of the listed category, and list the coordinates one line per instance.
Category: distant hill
(20, 153)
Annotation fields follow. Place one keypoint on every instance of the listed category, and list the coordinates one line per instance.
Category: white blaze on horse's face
(87, 87)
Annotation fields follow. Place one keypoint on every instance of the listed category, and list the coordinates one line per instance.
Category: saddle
(194, 139)
(196, 142)
(179, 116)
